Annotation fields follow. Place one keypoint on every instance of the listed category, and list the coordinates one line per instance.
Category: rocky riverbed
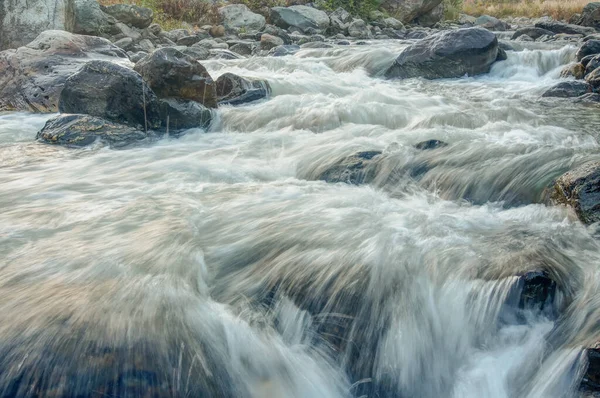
(300, 205)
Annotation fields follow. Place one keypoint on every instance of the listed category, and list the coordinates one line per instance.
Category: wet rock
(560, 27)
(172, 74)
(593, 78)
(180, 115)
(491, 23)
(81, 130)
(237, 16)
(574, 70)
(284, 50)
(409, 10)
(33, 76)
(448, 54)
(416, 34)
(533, 293)
(87, 18)
(268, 42)
(138, 17)
(21, 21)
(592, 64)
(590, 16)
(580, 189)
(300, 17)
(242, 48)
(360, 168)
(505, 46)
(235, 90)
(112, 92)
(591, 379)
(430, 144)
(568, 89)
(533, 32)
(197, 53)
(590, 98)
(590, 47)
(502, 55)
(359, 29)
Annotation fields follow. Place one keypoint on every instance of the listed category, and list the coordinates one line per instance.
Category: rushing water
(215, 265)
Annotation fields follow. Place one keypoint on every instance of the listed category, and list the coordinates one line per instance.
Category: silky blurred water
(217, 265)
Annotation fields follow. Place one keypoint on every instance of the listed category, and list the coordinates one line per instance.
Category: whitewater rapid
(217, 265)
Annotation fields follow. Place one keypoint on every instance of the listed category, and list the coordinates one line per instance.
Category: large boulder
(178, 114)
(569, 89)
(172, 74)
(491, 23)
(235, 90)
(112, 92)
(237, 16)
(301, 17)
(409, 10)
(359, 29)
(561, 27)
(590, 47)
(130, 14)
(85, 17)
(580, 189)
(432, 17)
(590, 16)
(33, 76)
(447, 54)
(21, 21)
(81, 130)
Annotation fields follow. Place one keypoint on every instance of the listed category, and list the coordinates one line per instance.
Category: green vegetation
(452, 9)
(362, 8)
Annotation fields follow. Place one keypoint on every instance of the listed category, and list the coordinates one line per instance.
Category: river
(215, 265)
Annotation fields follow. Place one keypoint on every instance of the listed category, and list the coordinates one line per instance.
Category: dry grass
(557, 9)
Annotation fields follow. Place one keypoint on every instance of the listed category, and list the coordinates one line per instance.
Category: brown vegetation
(557, 9)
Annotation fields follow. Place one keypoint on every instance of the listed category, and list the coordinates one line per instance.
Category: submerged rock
(172, 74)
(430, 144)
(580, 189)
(448, 54)
(568, 89)
(33, 76)
(81, 130)
(360, 168)
(235, 90)
(111, 92)
(178, 114)
(300, 17)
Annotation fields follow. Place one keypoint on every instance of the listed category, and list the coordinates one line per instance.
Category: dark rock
(236, 90)
(197, 53)
(112, 92)
(525, 38)
(590, 98)
(560, 27)
(172, 74)
(343, 43)
(568, 89)
(533, 32)
(448, 54)
(430, 144)
(81, 130)
(593, 64)
(585, 60)
(580, 189)
(491, 23)
(574, 70)
(282, 51)
(505, 46)
(242, 48)
(590, 16)
(300, 17)
(360, 168)
(593, 78)
(138, 17)
(533, 293)
(87, 18)
(188, 40)
(33, 76)
(502, 55)
(180, 115)
(590, 47)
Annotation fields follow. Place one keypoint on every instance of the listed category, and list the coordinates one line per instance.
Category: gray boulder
(447, 54)
(491, 23)
(21, 21)
(579, 189)
(85, 17)
(590, 16)
(172, 74)
(237, 16)
(432, 17)
(235, 90)
(178, 115)
(392, 23)
(303, 18)
(560, 27)
(590, 47)
(340, 19)
(409, 10)
(33, 76)
(359, 29)
(138, 17)
(112, 92)
(81, 130)
(568, 89)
